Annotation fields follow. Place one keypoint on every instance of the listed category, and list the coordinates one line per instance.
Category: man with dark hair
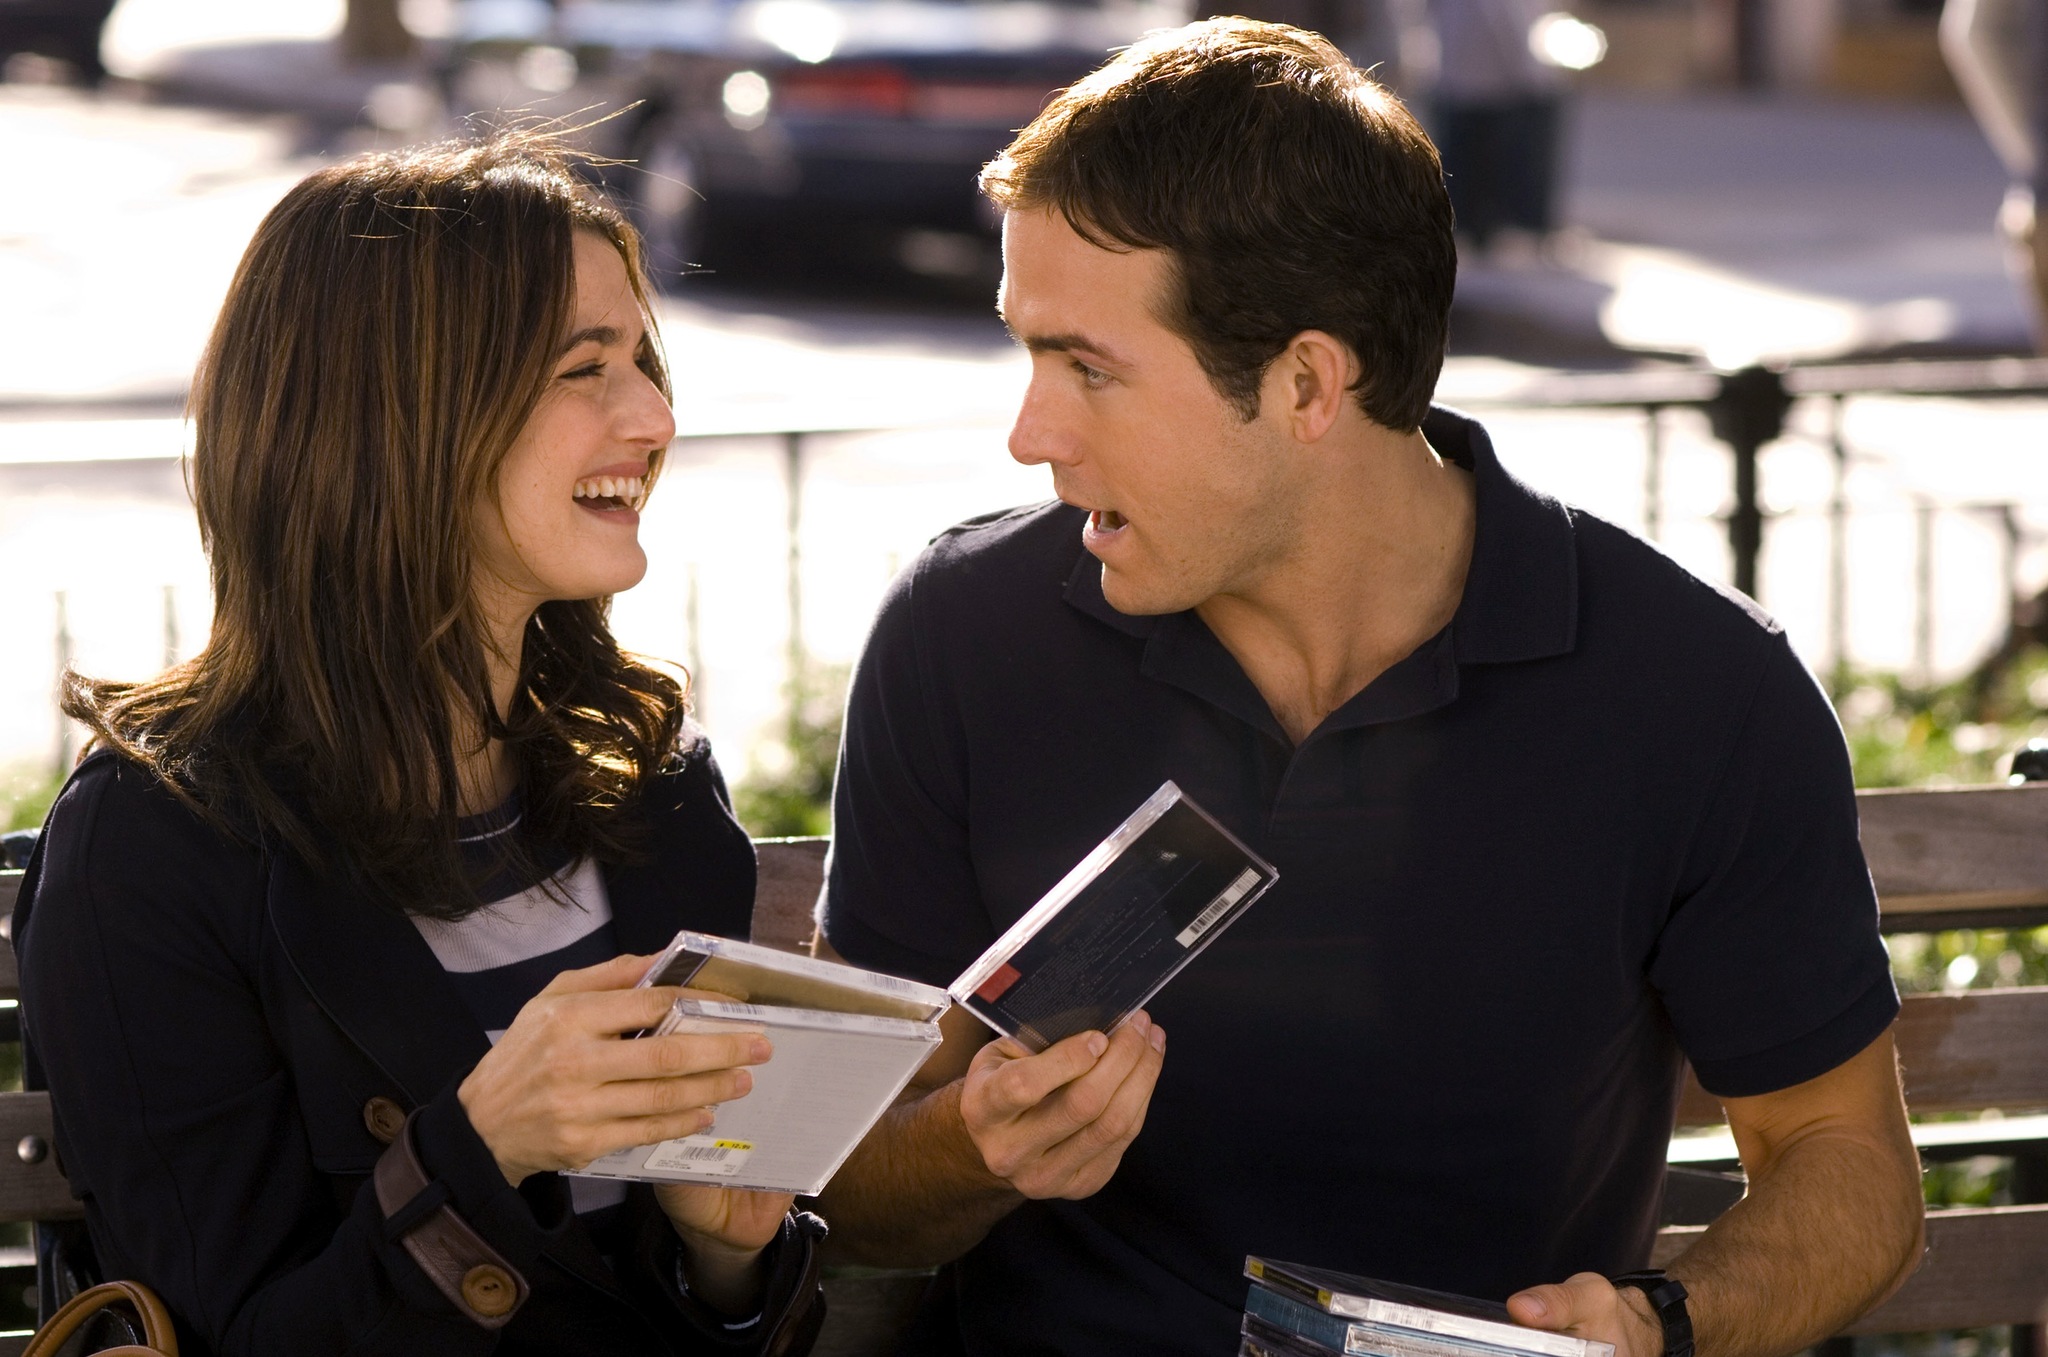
(1551, 815)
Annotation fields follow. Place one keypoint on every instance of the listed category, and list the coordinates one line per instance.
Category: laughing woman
(329, 943)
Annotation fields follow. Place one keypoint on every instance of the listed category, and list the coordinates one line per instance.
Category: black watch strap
(1667, 1298)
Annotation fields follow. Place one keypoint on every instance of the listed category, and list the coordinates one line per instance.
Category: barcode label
(701, 1154)
(1220, 906)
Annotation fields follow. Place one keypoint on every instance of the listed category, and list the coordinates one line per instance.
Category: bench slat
(791, 870)
(30, 1191)
(1961, 1052)
(1983, 1267)
(1957, 849)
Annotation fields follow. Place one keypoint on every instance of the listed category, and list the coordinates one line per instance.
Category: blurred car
(66, 29)
(750, 115)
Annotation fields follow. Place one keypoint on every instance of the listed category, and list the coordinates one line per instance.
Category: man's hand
(1056, 1124)
(1587, 1305)
(1829, 1227)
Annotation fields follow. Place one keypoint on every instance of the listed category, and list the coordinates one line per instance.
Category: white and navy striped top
(530, 931)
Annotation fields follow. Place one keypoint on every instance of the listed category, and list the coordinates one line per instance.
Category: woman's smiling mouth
(610, 494)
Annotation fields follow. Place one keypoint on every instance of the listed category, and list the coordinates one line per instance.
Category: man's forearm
(916, 1193)
(1832, 1229)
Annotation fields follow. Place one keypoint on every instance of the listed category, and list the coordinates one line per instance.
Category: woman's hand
(560, 1089)
(723, 1231)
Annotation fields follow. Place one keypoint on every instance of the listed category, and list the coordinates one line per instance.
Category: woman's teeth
(627, 490)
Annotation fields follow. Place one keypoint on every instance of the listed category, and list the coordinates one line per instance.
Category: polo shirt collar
(1520, 603)
(1522, 591)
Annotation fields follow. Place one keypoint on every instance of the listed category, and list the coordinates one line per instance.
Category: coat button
(488, 1290)
(385, 1119)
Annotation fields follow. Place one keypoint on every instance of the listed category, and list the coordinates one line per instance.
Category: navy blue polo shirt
(1602, 821)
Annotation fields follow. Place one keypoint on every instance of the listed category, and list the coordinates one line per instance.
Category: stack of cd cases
(1296, 1311)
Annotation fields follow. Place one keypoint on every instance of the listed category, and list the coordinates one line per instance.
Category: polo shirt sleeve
(1770, 964)
(900, 890)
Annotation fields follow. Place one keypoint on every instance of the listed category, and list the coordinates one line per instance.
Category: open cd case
(1317, 1310)
(1115, 929)
(846, 1042)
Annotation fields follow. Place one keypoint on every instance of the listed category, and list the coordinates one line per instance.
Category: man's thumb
(1553, 1307)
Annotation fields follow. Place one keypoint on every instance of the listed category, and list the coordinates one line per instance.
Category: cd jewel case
(1104, 940)
(1364, 1317)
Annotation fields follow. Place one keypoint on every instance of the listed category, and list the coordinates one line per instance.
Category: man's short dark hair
(1292, 192)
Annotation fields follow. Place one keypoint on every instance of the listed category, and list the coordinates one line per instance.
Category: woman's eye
(587, 370)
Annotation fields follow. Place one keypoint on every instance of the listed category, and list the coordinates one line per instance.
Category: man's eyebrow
(1065, 343)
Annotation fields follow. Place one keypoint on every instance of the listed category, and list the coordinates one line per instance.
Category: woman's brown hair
(388, 332)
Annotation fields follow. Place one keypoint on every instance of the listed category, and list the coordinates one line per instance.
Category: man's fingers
(1079, 1165)
(1578, 1299)
(1019, 1084)
(1080, 1102)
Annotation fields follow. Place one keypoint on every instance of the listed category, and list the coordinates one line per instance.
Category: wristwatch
(1667, 1298)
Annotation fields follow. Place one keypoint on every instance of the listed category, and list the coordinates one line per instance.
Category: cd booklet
(1110, 935)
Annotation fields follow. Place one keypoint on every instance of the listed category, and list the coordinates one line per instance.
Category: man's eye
(1090, 376)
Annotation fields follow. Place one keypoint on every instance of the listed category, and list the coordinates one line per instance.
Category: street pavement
(1742, 228)
(1737, 227)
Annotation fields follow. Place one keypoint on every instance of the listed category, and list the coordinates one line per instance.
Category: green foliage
(1955, 734)
(788, 791)
(1958, 733)
(1969, 958)
(25, 797)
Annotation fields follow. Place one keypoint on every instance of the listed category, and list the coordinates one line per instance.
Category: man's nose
(1039, 435)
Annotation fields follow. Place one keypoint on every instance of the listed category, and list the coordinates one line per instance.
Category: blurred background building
(1716, 184)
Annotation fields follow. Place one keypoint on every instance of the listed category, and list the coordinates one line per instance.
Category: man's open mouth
(1105, 520)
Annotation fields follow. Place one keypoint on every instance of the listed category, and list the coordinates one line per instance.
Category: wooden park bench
(1963, 858)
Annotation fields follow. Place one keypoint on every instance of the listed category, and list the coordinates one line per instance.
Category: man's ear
(1314, 375)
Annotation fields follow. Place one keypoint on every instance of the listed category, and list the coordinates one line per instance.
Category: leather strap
(159, 1338)
(474, 1277)
(1667, 1296)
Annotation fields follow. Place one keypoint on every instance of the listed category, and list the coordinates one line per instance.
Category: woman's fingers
(627, 1100)
(620, 973)
(561, 1087)
(609, 1013)
(603, 1061)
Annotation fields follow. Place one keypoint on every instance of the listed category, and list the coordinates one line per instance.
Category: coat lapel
(373, 975)
(376, 979)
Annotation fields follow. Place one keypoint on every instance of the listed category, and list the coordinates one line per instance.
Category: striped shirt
(529, 932)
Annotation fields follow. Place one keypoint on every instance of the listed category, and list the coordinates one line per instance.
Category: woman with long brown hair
(329, 944)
